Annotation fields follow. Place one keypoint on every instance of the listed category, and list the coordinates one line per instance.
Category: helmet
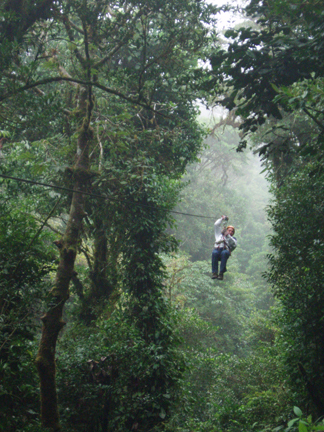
(230, 226)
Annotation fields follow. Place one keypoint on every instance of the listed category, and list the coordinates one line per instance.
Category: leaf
(292, 422)
(30, 411)
(275, 88)
(298, 411)
(162, 413)
(302, 427)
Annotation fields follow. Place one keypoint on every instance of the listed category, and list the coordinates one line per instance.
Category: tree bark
(103, 273)
(68, 245)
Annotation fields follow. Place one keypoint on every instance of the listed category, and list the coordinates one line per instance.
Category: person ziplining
(225, 243)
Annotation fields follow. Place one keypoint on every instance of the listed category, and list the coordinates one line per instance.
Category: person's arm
(218, 222)
(218, 227)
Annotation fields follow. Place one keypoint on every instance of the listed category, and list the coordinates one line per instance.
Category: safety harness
(225, 244)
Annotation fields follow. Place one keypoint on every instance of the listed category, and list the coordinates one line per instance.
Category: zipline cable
(96, 195)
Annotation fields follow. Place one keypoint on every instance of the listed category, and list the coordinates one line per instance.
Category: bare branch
(230, 120)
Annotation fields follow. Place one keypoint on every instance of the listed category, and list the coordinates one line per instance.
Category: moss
(86, 130)
(79, 173)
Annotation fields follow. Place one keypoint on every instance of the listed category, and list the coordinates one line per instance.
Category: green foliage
(122, 365)
(138, 67)
(297, 275)
(114, 364)
(224, 182)
(284, 50)
(228, 392)
(25, 262)
(272, 74)
(225, 306)
(303, 424)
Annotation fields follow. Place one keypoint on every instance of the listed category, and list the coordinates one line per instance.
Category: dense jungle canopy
(127, 128)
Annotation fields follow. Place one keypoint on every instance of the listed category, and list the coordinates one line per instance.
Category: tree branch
(75, 27)
(84, 83)
(319, 124)
(125, 39)
(35, 237)
(68, 29)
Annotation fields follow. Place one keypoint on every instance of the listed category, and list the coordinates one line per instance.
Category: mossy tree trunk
(100, 287)
(104, 272)
(68, 245)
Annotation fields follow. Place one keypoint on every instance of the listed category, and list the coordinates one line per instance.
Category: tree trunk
(52, 320)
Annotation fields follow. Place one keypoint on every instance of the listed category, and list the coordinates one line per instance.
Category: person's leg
(215, 259)
(223, 259)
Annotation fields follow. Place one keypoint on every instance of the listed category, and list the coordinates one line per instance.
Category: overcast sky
(226, 20)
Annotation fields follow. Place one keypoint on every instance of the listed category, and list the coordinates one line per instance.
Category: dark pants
(221, 255)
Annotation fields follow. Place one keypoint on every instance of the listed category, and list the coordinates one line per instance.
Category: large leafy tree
(297, 276)
(26, 262)
(273, 73)
(284, 48)
(82, 70)
(17, 18)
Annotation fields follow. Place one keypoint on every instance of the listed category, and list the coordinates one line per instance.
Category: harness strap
(225, 244)
(227, 247)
